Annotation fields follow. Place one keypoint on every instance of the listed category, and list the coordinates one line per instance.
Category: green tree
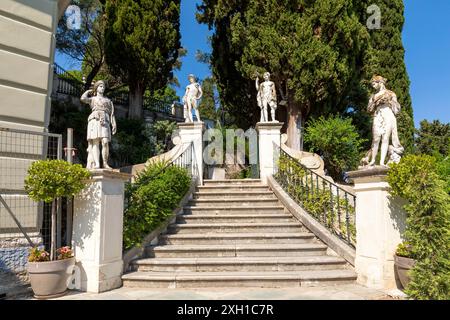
(236, 93)
(142, 43)
(311, 48)
(337, 141)
(433, 138)
(208, 104)
(386, 57)
(85, 44)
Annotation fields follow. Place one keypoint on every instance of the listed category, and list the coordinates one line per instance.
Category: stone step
(227, 188)
(235, 227)
(237, 250)
(233, 182)
(235, 194)
(237, 238)
(232, 210)
(277, 279)
(245, 202)
(242, 264)
(245, 218)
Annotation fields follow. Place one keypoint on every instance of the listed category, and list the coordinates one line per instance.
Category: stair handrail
(321, 198)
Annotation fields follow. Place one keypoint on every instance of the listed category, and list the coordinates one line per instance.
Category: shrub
(51, 179)
(337, 140)
(151, 200)
(427, 233)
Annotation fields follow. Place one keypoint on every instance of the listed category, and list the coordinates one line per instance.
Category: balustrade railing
(328, 203)
(68, 84)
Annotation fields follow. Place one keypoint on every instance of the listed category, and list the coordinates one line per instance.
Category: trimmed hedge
(151, 200)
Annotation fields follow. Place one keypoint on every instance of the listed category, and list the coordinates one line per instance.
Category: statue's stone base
(380, 222)
(269, 134)
(193, 132)
(97, 231)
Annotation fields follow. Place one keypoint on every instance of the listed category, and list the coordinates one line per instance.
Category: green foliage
(161, 134)
(156, 192)
(208, 104)
(85, 44)
(51, 179)
(337, 141)
(65, 115)
(314, 195)
(443, 169)
(142, 42)
(136, 143)
(320, 53)
(131, 144)
(404, 250)
(385, 56)
(166, 95)
(433, 138)
(416, 179)
(312, 48)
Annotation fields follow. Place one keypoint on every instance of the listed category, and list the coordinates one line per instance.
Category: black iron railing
(156, 105)
(324, 200)
(68, 84)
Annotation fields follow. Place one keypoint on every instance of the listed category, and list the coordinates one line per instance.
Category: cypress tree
(385, 57)
(313, 50)
(142, 42)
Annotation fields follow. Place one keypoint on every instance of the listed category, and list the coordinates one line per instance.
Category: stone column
(97, 231)
(380, 223)
(268, 134)
(193, 132)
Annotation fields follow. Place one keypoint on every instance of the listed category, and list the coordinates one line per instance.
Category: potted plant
(403, 262)
(46, 181)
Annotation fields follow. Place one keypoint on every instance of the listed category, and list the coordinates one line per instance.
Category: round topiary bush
(48, 180)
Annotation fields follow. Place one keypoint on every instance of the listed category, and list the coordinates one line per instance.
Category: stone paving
(341, 292)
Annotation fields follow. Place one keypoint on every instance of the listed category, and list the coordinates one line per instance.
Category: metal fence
(187, 161)
(23, 222)
(68, 84)
(327, 202)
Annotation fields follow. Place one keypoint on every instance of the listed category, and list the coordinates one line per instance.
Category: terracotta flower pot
(402, 267)
(49, 279)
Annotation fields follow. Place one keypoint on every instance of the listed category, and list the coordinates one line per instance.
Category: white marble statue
(192, 95)
(384, 107)
(101, 125)
(267, 97)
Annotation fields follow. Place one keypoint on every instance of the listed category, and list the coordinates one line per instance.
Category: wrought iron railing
(324, 200)
(173, 109)
(68, 84)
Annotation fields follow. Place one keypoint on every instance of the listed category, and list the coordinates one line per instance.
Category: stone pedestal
(97, 231)
(193, 132)
(268, 134)
(380, 222)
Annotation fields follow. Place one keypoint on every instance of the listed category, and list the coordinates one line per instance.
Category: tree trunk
(53, 233)
(294, 120)
(91, 76)
(136, 101)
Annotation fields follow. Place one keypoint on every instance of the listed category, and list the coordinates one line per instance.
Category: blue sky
(426, 38)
